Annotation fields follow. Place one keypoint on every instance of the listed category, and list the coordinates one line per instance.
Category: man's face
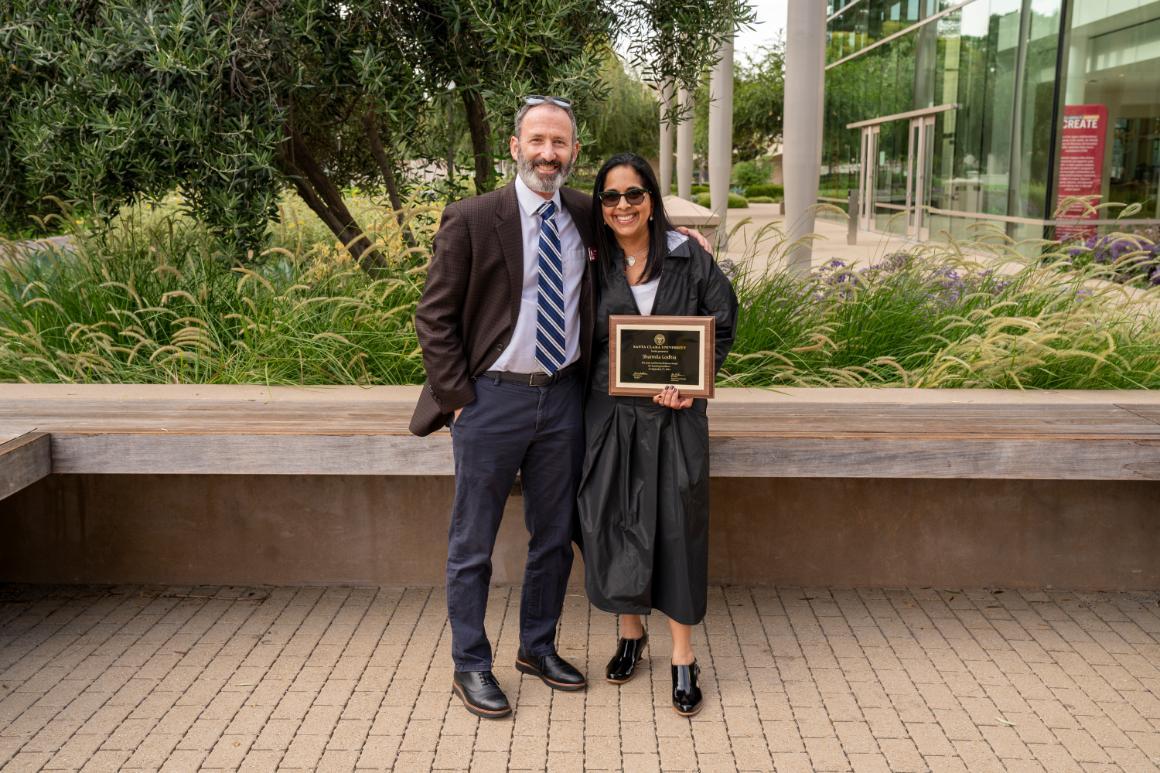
(545, 150)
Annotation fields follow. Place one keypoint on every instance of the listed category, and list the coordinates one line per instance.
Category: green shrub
(761, 200)
(699, 189)
(736, 200)
(766, 189)
(746, 173)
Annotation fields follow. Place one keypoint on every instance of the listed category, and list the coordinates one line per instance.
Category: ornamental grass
(151, 300)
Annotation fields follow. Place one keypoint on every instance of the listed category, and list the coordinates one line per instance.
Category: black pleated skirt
(644, 507)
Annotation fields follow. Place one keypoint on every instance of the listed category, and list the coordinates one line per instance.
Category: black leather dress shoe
(552, 669)
(622, 667)
(481, 694)
(686, 693)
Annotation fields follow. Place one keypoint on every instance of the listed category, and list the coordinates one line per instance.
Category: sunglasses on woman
(611, 198)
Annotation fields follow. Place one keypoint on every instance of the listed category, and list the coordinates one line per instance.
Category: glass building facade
(943, 115)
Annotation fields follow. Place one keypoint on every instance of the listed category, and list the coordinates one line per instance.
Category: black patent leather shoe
(629, 652)
(481, 694)
(686, 694)
(552, 670)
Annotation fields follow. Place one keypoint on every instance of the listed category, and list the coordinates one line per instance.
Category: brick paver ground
(340, 678)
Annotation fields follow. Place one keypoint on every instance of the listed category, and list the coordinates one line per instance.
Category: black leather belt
(534, 379)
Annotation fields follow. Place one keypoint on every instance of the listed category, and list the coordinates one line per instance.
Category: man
(505, 323)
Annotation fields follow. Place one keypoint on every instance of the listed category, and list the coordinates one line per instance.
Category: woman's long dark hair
(606, 246)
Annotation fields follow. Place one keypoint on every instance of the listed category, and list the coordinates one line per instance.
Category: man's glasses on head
(611, 197)
(540, 99)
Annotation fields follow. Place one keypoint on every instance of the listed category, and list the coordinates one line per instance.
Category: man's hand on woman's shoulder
(696, 236)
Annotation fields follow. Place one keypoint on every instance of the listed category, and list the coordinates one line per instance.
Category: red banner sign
(1081, 166)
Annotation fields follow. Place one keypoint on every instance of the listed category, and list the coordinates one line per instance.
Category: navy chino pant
(539, 432)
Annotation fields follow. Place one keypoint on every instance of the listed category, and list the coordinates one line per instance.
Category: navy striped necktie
(550, 326)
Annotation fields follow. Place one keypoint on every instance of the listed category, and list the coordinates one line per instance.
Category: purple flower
(896, 261)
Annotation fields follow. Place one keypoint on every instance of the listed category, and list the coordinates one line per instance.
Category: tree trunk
(480, 141)
(383, 159)
(325, 200)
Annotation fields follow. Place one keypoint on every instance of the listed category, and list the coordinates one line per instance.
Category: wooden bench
(197, 484)
(24, 461)
(794, 433)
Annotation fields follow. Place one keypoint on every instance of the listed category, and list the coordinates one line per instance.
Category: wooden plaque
(647, 354)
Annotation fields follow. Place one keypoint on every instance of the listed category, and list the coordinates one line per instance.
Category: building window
(1113, 62)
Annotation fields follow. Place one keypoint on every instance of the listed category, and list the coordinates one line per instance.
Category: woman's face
(628, 221)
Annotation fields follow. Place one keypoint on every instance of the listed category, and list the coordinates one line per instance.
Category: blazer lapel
(511, 241)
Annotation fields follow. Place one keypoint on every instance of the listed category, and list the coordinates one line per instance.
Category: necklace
(631, 260)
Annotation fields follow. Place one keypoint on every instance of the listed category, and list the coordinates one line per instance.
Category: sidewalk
(340, 678)
(760, 228)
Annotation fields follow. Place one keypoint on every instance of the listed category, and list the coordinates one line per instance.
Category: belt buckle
(531, 379)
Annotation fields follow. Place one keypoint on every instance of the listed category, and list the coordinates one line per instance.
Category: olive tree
(106, 102)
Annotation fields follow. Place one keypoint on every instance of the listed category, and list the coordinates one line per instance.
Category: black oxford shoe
(622, 667)
(481, 694)
(686, 693)
(552, 670)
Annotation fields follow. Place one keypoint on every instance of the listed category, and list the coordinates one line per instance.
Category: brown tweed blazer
(472, 297)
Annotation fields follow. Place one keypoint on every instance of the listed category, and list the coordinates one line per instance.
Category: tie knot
(548, 210)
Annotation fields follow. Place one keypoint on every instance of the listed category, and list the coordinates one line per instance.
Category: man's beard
(539, 184)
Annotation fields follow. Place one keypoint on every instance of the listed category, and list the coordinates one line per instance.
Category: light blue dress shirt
(520, 354)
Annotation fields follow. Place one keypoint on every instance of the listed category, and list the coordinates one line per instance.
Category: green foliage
(765, 189)
(758, 97)
(676, 43)
(930, 319)
(110, 102)
(758, 101)
(736, 200)
(628, 119)
(1130, 256)
(699, 189)
(151, 302)
(107, 102)
(491, 54)
(761, 199)
(752, 173)
(148, 300)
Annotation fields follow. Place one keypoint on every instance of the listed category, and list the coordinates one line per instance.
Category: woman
(644, 494)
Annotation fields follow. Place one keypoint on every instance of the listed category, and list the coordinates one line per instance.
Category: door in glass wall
(895, 184)
(919, 168)
(891, 175)
(866, 177)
